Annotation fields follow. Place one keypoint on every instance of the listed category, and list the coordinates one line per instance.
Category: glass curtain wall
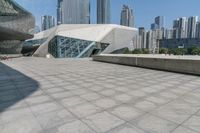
(65, 47)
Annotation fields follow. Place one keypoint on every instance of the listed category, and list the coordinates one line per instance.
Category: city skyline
(144, 10)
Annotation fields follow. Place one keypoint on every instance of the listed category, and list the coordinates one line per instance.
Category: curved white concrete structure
(66, 37)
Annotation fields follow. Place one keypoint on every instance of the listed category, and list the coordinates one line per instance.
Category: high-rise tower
(127, 17)
(47, 22)
(73, 12)
(103, 11)
(192, 21)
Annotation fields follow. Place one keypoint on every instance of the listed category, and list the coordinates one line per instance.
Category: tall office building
(59, 12)
(127, 17)
(159, 23)
(192, 21)
(198, 30)
(73, 12)
(103, 12)
(47, 22)
(142, 36)
(180, 28)
(169, 33)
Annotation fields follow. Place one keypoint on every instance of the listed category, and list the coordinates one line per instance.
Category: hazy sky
(144, 10)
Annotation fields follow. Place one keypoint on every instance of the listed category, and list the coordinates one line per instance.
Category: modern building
(37, 29)
(180, 28)
(142, 37)
(103, 11)
(59, 12)
(154, 26)
(47, 22)
(198, 30)
(191, 29)
(127, 17)
(159, 23)
(84, 40)
(16, 25)
(152, 40)
(73, 12)
(179, 43)
(169, 33)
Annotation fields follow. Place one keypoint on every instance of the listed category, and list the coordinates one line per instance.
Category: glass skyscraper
(47, 22)
(73, 12)
(192, 22)
(103, 12)
(127, 18)
(159, 23)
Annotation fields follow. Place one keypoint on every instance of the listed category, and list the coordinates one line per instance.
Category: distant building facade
(73, 12)
(103, 12)
(191, 31)
(47, 22)
(127, 16)
(142, 37)
(159, 23)
(177, 43)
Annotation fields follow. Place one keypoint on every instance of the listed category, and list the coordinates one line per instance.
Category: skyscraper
(127, 17)
(47, 22)
(198, 30)
(73, 12)
(192, 21)
(180, 28)
(103, 12)
(159, 23)
(142, 36)
(59, 12)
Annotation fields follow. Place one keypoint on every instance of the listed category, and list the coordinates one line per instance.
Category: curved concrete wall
(184, 65)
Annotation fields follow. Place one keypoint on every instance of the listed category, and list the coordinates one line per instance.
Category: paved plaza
(39, 95)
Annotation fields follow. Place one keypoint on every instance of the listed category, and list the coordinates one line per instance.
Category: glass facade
(65, 47)
(73, 12)
(16, 25)
(30, 46)
(103, 11)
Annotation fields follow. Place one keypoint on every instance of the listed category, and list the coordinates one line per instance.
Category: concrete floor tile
(183, 130)
(152, 124)
(21, 125)
(105, 103)
(103, 122)
(126, 112)
(72, 101)
(84, 109)
(193, 123)
(126, 128)
(55, 118)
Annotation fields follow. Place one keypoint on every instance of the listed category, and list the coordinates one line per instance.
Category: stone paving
(81, 96)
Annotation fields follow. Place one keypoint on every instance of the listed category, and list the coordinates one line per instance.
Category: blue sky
(144, 10)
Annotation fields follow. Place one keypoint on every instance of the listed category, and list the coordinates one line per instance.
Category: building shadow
(14, 87)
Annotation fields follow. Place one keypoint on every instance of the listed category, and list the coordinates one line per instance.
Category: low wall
(174, 64)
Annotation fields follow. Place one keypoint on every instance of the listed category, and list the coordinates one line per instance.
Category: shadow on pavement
(14, 87)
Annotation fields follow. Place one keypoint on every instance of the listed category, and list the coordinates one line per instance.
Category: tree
(179, 51)
(163, 51)
(195, 50)
(137, 51)
(145, 51)
(126, 51)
